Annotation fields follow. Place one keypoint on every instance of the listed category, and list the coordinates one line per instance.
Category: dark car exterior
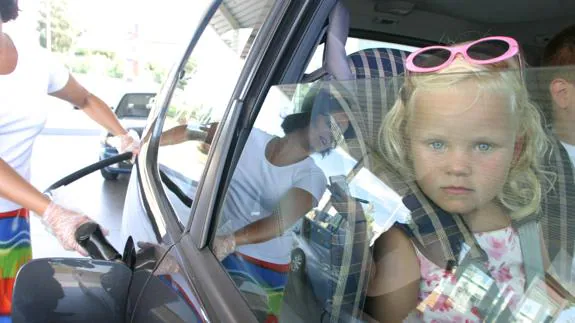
(132, 111)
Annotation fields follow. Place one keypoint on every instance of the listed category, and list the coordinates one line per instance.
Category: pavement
(57, 155)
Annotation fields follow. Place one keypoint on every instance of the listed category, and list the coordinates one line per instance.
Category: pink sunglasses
(484, 51)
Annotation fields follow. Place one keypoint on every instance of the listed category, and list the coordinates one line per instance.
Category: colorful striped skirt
(15, 251)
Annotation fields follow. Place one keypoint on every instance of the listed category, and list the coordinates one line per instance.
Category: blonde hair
(522, 191)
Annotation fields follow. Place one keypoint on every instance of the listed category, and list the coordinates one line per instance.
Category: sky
(164, 26)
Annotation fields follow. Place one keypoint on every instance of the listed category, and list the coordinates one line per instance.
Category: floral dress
(443, 298)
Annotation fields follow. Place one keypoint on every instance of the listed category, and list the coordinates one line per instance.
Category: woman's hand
(128, 142)
(63, 223)
(224, 246)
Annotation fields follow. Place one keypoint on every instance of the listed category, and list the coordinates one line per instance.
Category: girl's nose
(458, 163)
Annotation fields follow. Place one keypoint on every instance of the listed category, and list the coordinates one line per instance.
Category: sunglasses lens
(488, 49)
(431, 58)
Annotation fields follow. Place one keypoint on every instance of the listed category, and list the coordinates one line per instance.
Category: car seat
(355, 76)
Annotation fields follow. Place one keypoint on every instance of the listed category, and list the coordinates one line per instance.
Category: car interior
(425, 22)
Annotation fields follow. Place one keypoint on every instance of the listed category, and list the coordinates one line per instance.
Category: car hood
(137, 125)
(130, 123)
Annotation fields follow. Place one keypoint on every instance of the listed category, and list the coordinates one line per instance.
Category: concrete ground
(56, 156)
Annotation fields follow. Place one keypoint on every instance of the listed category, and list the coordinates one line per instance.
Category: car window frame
(237, 135)
(161, 214)
(212, 281)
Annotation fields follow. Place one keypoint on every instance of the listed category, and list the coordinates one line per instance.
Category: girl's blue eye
(484, 147)
(437, 145)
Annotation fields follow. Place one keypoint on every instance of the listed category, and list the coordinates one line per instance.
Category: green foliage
(79, 66)
(63, 34)
(189, 71)
(158, 72)
(116, 69)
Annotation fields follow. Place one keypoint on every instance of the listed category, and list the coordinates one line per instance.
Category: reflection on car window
(281, 217)
(459, 204)
(198, 103)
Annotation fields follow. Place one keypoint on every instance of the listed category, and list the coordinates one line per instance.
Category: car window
(439, 206)
(135, 105)
(199, 101)
(280, 188)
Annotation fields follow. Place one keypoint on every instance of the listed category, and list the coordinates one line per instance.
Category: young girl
(465, 134)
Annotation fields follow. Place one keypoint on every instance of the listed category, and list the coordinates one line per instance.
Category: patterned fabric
(375, 71)
(557, 208)
(446, 298)
(375, 63)
(15, 251)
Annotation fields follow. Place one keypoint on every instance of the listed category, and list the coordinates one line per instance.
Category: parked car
(249, 64)
(132, 111)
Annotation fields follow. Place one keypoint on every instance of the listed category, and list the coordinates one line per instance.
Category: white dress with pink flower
(443, 298)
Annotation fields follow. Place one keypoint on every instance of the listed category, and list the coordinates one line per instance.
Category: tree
(63, 34)
(157, 71)
(188, 72)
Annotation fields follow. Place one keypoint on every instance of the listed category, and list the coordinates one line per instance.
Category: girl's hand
(63, 223)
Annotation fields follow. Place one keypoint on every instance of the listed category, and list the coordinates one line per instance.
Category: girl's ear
(518, 149)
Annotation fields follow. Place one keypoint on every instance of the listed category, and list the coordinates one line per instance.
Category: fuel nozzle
(90, 237)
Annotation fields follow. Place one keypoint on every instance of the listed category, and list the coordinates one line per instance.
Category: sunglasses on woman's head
(484, 51)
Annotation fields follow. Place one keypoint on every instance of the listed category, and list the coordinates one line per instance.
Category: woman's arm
(294, 204)
(16, 189)
(62, 222)
(393, 291)
(179, 134)
(93, 106)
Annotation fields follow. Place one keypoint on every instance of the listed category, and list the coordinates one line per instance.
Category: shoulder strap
(530, 240)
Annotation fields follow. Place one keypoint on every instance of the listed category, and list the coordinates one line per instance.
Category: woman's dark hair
(8, 10)
(318, 101)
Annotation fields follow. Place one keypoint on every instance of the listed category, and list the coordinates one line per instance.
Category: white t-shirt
(570, 150)
(255, 190)
(22, 111)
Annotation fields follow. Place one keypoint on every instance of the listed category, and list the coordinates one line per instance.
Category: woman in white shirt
(26, 74)
(275, 183)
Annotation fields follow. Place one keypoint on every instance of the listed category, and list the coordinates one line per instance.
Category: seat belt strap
(530, 239)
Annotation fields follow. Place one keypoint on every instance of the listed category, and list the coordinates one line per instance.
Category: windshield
(135, 105)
